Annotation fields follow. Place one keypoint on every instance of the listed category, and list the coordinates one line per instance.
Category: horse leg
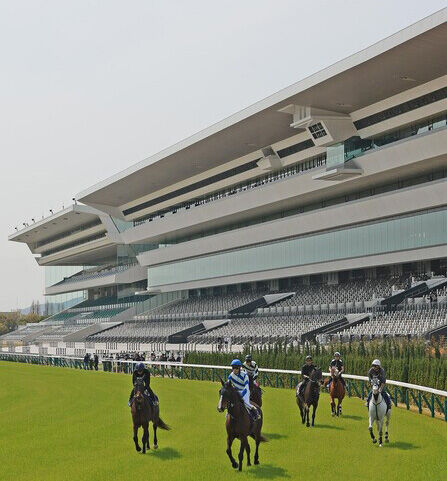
(332, 406)
(339, 406)
(387, 421)
(374, 440)
(303, 414)
(247, 450)
(258, 441)
(135, 437)
(241, 451)
(229, 453)
(154, 425)
(314, 410)
(145, 439)
(380, 427)
(307, 412)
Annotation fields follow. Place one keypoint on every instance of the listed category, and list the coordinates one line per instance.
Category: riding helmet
(308, 357)
(337, 354)
(140, 366)
(248, 357)
(376, 362)
(236, 362)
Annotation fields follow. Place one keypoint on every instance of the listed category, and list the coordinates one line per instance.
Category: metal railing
(402, 394)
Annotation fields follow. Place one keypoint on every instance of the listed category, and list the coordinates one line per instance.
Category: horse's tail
(162, 425)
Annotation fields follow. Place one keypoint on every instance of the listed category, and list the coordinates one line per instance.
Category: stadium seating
(414, 322)
(153, 331)
(217, 305)
(265, 329)
(58, 333)
(95, 273)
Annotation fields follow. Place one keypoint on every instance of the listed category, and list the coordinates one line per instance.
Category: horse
(255, 392)
(143, 413)
(239, 424)
(378, 412)
(310, 396)
(336, 391)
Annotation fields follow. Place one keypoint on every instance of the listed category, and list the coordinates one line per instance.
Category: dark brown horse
(255, 393)
(239, 425)
(336, 391)
(310, 396)
(142, 413)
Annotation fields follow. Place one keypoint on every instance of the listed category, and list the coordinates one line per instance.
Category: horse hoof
(333, 414)
(248, 464)
(235, 465)
(380, 445)
(374, 441)
(308, 425)
(155, 446)
(387, 440)
(256, 461)
(138, 449)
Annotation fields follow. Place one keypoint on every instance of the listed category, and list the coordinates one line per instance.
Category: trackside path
(63, 424)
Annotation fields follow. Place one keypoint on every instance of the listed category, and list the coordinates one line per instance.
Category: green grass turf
(63, 424)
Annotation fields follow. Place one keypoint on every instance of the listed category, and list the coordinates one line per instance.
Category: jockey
(378, 372)
(305, 373)
(251, 368)
(239, 380)
(338, 363)
(143, 374)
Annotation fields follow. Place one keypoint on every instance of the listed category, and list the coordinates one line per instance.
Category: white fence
(405, 385)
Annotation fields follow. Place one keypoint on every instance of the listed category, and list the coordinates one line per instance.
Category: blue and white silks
(241, 383)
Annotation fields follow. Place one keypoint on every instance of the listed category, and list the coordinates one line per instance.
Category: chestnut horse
(142, 413)
(336, 391)
(310, 396)
(239, 424)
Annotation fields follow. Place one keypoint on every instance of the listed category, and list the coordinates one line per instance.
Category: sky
(88, 88)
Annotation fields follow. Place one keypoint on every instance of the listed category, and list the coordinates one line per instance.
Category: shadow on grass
(327, 426)
(354, 418)
(401, 445)
(273, 436)
(166, 454)
(267, 471)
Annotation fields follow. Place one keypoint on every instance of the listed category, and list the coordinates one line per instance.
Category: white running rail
(416, 387)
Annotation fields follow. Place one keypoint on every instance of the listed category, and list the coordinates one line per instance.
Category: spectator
(86, 360)
(96, 361)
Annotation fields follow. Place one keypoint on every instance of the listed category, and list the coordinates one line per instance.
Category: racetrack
(65, 424)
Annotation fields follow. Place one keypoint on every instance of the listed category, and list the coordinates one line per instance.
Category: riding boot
(152, 397)
(254, 413)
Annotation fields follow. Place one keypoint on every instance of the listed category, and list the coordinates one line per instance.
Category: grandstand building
(320, 210)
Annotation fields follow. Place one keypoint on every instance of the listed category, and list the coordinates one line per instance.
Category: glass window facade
(424, 229)
(59, 302)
